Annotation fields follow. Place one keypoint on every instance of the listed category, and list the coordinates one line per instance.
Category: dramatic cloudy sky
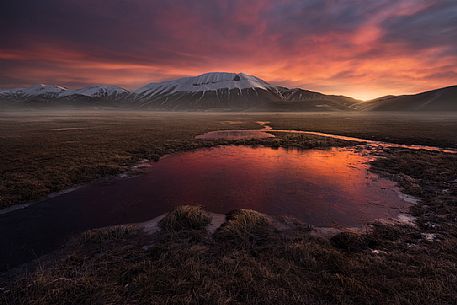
(360, 48)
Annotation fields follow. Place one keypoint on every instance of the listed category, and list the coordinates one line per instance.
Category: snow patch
(96, 91)
(58, 91)
(35, 90)
(206, 82)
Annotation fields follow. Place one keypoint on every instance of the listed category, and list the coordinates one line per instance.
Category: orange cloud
(364, 51)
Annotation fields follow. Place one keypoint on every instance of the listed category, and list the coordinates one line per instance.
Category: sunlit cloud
(363, 49)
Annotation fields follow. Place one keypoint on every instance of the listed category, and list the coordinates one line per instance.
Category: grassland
(45, 152)
(48, 152)
(249, 259)
(435, 129)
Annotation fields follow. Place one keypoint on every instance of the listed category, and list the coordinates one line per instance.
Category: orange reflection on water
(321, 187)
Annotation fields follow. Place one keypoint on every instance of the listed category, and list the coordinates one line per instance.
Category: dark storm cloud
(434, 27)
(314, 43)
(138, 31)
(316, 17)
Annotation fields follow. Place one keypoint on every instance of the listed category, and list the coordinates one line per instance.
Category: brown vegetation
(185, 217)
(401, 128)
(248, 260)
(46, 153)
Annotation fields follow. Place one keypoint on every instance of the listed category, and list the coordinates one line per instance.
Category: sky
(359, 48)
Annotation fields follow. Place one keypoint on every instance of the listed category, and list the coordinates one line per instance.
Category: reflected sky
(319, 187)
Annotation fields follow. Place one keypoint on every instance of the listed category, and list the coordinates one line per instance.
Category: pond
(320, 187)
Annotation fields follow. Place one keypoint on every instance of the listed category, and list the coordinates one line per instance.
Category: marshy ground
(249, 259)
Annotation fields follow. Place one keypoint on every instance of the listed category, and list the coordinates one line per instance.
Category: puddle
(331, 188)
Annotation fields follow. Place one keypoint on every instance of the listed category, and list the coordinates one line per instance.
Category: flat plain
(45, 152)
(247, 260)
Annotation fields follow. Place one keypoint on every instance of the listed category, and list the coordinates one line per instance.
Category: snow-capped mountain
(213, 81)
(210, 91)
(221, 90)
(96, 91)
(51, 95)
(38, 90)
(58, 91)
(215, 90)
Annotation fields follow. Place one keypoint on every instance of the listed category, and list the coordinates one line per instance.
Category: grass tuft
(245, 227)
(185, 217)
(350, 242)
(106, 234)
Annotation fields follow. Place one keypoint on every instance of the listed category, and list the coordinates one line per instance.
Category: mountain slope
(212, 81)
(443, 99)
(207, 91)
(311, 100)
(105, 95)
(50, 91)
(96, 91)
(52, 95)
(211, 91)
(222, 91)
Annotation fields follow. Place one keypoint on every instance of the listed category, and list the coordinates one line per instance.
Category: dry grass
(402, 128)
(185, 217)
(248, 261)
(246, 228)
(49, 152)
(113, 266)
(44, 153)
(100, 236)
(431, 176)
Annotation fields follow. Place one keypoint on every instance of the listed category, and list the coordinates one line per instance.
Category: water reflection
(319, 187)
(322, 188)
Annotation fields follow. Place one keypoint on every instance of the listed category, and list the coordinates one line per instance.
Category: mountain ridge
(225, 91)
(441, 99)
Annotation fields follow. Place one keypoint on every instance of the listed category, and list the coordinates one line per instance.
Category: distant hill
(443, 99)
(316, 100)
(51, 95)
